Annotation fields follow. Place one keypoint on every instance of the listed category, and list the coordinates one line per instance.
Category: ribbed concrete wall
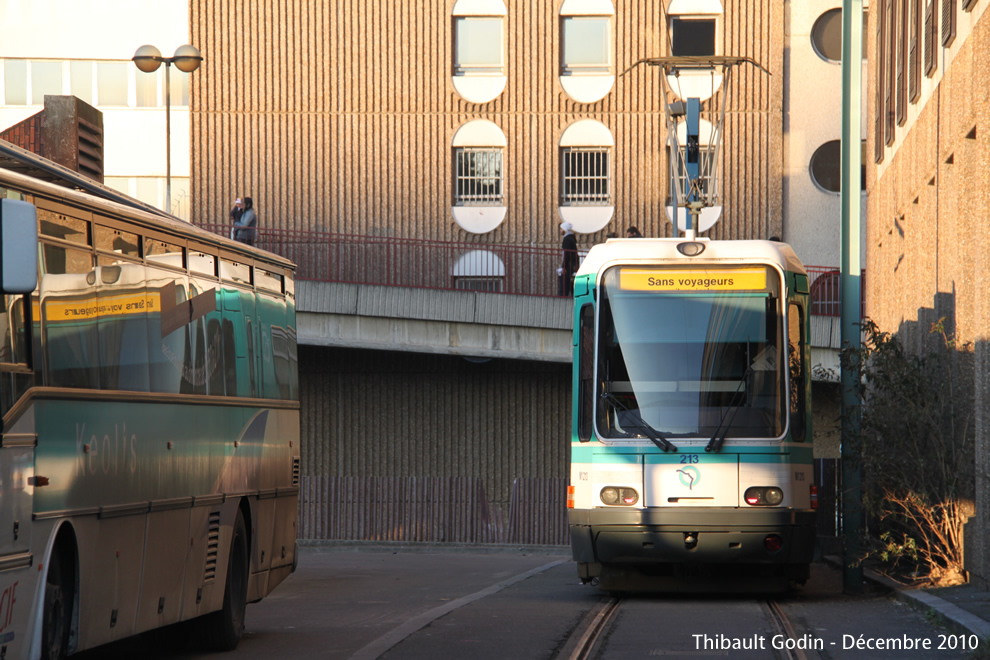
(339, 116)
(377, 415)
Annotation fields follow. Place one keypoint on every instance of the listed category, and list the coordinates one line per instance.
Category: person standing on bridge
(569, 263)
(245, 227)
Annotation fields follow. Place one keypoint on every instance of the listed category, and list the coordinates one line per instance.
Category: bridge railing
(418, 263)
(328, 257)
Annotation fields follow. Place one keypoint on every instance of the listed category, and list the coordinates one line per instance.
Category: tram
(691, 447)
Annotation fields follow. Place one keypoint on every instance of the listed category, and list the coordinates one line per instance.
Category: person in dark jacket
(633, 232)
(569, 262)
(235, 214)
(245, 227)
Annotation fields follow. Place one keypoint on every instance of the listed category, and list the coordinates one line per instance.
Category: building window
(826, 166)
(479, 270)
(15, 82)
(111, 83)
(692, 36)
(826, 35)
(46, 78)
(478, 58)
(478, 174)
(587, 44)
(81, 79)
(478, 45)
(585, 176)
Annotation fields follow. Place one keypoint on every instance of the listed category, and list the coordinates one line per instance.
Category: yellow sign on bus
(700, 279)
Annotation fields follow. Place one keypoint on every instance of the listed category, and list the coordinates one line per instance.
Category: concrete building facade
(84, 49)
(928, 244)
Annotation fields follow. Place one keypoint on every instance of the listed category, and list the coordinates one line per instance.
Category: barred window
(478, 173)
(585, 177)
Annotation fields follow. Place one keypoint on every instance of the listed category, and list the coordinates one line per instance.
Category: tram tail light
(763, 496)
(618, 496)
(570, 497)
(814, 496)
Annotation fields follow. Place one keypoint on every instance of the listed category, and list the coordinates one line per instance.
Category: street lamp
(186, 59)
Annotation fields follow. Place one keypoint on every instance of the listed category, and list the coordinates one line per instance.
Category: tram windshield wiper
(656, 436)
(717, 440)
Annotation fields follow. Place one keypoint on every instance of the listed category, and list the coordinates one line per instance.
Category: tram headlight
(618, 496)
(763, 496)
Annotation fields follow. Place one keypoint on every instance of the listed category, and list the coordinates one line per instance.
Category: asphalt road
(370, 602)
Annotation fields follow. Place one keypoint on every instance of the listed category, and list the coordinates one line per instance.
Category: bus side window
(795, 353)
(586, 372)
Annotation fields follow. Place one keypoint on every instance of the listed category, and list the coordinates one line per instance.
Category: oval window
(826, 166)
(826, 35)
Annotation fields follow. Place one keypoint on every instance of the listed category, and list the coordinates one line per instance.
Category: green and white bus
(149, 465)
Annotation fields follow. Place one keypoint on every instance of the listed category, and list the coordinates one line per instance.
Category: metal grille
(486, 284)
(478, 175)
(585, 176)
(212, 546)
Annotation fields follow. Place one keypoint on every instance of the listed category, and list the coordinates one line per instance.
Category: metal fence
(417, 263)
(432, 510)
(327, 257)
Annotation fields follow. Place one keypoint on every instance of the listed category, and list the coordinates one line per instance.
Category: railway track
(587, 640)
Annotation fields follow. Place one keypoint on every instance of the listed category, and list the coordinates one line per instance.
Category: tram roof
(657, 250)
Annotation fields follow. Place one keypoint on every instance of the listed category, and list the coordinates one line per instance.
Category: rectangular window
(46, 78)
(484, 284)
(879, 86)
(890, 55)
(111, 83)
(179, 83)
(15, 82)
(948, 22)
(902, 62)
(146, 86)
(81, 80)
(795, 354)
(914, 54)
(478, 45)
(119, 242)
(147, 190)
(692, 36)
(479, 176)
(585, 176)
(931, 35)
(587, 44)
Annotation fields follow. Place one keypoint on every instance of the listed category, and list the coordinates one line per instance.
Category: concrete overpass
(465, 323)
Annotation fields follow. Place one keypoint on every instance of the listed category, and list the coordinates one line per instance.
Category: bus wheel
(57, 619)
(225, 627)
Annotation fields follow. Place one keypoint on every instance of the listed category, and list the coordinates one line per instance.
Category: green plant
(917, 453)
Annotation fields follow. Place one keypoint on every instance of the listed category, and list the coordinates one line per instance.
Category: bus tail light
(773, 543)
(764, 496)
(618, 496)
(814, 496)
(570, 497)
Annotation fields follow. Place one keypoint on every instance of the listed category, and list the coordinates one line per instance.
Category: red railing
(519, 270)
(327, 257)
(826, 291)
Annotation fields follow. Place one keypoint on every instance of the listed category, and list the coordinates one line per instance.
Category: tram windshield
(691, 352)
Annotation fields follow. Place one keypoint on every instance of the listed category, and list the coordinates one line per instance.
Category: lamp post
(187, 59)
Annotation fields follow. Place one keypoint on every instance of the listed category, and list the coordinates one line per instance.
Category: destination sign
(697, 279)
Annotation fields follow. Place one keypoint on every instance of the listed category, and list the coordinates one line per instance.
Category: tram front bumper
(696, 535)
